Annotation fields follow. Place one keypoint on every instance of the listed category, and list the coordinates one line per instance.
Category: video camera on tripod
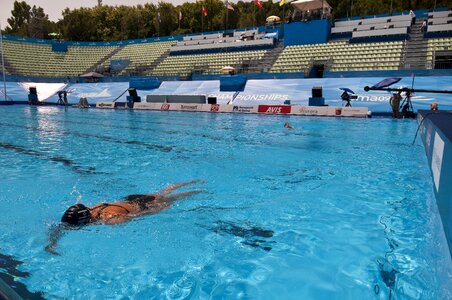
(347, 96)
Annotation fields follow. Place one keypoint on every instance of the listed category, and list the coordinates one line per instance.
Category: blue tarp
(267, 91)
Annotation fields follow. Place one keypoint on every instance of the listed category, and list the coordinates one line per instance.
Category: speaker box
(33, 90)
(317, 92)
(211, 100)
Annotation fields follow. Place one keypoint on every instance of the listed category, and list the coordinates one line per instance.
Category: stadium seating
(33, 59)
(210, 63)
(435, 45)
(218, 42)
(340, 56)
(139, 55)
(439, 24)
(387, 28)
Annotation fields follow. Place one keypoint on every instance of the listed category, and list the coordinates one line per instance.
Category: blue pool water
(334, 209)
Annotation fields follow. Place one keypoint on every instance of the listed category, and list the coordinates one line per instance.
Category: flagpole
(351, 10)
(202, 19)
(254, 12)
(284, 17)
(227, 13)
(3, 64)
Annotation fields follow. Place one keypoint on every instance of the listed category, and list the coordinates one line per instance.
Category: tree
(79, 25)
(37, 26)
(20, 17)
(166, 18)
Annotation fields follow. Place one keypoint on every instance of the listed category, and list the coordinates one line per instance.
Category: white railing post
(3, 63)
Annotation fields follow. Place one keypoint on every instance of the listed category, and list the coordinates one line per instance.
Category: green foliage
(111, 23)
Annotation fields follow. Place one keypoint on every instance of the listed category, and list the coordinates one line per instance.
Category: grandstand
(210, 63)
(139, 57)
(364, 44)
(340, 56)
(38, 59)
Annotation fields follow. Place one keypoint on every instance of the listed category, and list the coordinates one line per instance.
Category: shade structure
(227, 70)
(305, 5)
(347, 90)
(273, 19)
(92, 75)
(386, 83)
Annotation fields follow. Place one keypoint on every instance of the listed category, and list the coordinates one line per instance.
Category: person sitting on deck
(117, 212)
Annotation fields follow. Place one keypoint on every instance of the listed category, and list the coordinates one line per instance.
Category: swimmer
(117, 212)
(287, 125)
(434, 106)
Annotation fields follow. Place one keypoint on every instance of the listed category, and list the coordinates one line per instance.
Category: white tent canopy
(305, 5)
(227, 70)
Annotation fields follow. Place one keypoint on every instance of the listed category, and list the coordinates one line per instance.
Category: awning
(305, 5)
(273, 19)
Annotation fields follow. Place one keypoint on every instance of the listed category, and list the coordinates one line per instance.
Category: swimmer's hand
(197, 181)
(51, 249)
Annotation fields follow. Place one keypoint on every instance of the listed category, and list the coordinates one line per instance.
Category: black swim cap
(77, 214)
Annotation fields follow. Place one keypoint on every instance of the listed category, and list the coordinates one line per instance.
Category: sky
(53, 8)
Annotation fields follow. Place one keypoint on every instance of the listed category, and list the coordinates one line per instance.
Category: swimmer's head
(77, 214)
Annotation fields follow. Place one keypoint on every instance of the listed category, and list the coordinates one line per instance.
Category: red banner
(274, 109)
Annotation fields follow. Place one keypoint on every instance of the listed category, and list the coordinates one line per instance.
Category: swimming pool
(336, 208)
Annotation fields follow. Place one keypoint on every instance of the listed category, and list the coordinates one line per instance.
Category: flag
(204, 11)
(282, 2)
(158, 17)
(229, 6)
(180, 16)
(258, 3)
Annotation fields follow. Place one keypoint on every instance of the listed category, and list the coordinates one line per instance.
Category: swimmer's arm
(55, 233)
(116, 220)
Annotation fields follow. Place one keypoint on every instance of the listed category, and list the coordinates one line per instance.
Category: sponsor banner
(329, 111)
(186, 107)
(165, 106)
(437, 159)
(225, 108)
(351, 111)
(214, 107)
(146, 105)
(207, 107)
(313, 110)
(274, 109)
(247, 109)
(105, 105)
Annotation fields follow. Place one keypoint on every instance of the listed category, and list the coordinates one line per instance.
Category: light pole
(3, 63)
(351, 10)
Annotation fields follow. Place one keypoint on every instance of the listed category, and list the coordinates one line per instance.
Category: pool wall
(436, 133)
(6, 292)
(255, 92)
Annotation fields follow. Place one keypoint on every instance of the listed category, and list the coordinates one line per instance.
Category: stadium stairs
(271, 56)
(103, 60)
(415, 52)
(142, 70)
(9, 69)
